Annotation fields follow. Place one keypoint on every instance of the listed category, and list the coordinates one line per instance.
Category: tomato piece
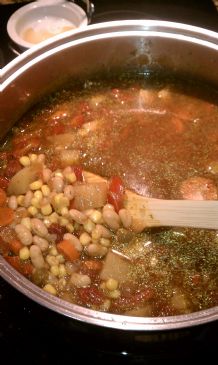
(4, 182)
(90, 295)
(78, 171)
(116, 193)
(3, 197)
(57, 229)
(57, 129)
(25, 268)
(77, 121)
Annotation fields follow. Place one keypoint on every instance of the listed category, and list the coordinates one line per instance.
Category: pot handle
(90, 8)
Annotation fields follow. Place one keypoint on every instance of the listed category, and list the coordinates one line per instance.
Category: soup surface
(72, 236)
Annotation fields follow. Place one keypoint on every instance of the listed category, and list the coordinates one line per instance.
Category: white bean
(80, 280)
(103, 231)
(75, 241)
(38, 227)
(41, 242)
(36, 257)
(96, 250)
(12, 202)
(125, 217)
(69, 192)
(57, 184)
(41, 158)
(77, 216)
(111, 218)
(27, 199)
(46, 175)
(24, 234)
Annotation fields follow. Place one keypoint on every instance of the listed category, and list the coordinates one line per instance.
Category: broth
(157, 137)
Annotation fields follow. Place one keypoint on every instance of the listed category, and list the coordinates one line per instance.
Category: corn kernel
(70, 227)
(54, 270)
(111, 284)
(24, 161)
(58, 173)
(96, 216)
(89, 226)
(85, 239)
(33, 157)
(64, 211)
(53, 251)
(38, 194)
(63, 221)
(47, 222)
(114, 294)
(53, 217)
(46, 209)
(50, 289)
(62, 270)
(70, 177)
(26, 222)
(105, 242)
(24, 253)
(36, 185)
(20, 200)
(45, 190)
(35, 202)
(60, 259)
(32, 210)
(52, 260)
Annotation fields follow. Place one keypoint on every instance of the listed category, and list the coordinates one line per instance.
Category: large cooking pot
(105, 47)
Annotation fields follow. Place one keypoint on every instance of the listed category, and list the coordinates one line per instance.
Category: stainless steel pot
(105, 47)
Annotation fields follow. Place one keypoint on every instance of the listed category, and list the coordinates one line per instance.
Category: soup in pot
(71, 236)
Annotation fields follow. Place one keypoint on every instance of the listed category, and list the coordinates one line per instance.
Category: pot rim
(14, 69)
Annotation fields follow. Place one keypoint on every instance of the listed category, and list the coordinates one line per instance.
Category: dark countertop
(34, 334)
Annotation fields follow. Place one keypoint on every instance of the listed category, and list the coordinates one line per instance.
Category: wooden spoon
(149, 212)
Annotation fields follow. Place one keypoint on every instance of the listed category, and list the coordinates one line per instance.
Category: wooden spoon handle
(148, 212)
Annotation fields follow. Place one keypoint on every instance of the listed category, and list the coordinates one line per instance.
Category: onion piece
(20, 182)
(90, 195)
(116, 266)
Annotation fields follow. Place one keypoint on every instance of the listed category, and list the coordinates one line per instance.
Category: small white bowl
(43, 19)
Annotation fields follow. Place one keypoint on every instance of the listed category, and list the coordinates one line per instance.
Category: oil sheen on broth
(159, 137)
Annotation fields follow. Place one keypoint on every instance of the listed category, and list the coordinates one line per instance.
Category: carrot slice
(15, 246)
(25, 268)
(3, 197)
(67, 249)
(6, 216)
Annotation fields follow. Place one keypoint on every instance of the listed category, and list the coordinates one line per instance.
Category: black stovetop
(32, 333)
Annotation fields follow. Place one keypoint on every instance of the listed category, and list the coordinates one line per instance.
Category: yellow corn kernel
(96, 216)
(89, 226)
(52, 260)
(45, 190)
(62, 271)
(20, 200)
(64, 212)
(24, 253)
(114, 294)
(38, 194)
(70, 177)
(36, 185)
(111, 284)
(58, 173)
(24, 161)
(105, 242)
(85, 239)
(50, 289)
(46, 209)
(70, 227)
(33, 157)
(26, 222)
(53, 217)
(63, 221)
(54, 270)
(60, 259)
(32, 210)
(35, 202)
(53, 251)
